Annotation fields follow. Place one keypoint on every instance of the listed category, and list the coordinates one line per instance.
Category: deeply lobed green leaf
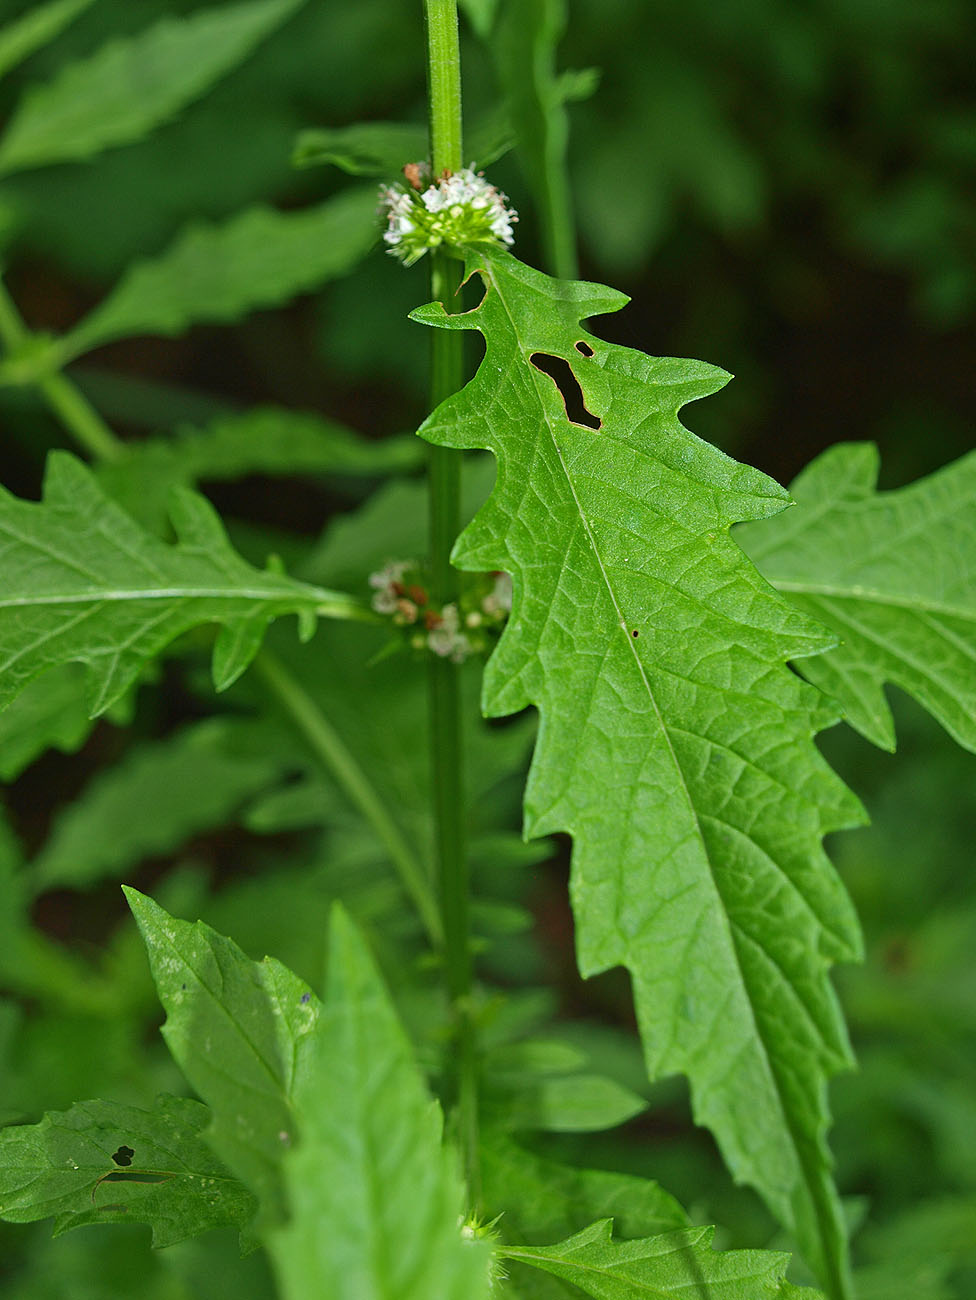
(265, 440)
(79, 580)
(676, 1264)
(675, 745)
(893, 574)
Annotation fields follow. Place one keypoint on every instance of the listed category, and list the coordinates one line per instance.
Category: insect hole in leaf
(561, 374)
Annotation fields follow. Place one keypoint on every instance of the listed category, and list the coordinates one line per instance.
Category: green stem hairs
(400, 1112)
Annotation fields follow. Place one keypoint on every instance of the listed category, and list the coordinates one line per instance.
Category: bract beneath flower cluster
(453, 631)
(458, 208)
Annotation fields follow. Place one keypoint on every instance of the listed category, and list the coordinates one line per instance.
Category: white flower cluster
(452, 632)
(458, 208)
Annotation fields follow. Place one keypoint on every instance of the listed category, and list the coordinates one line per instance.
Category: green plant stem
(76, 412)
(444, 85)
(444, 468)
(65, 400)
(447, 744)
(91, 432)
(331, 750)
(447, 753)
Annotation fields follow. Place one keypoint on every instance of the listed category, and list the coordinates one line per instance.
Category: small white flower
(446, 639)
(434, 199)
(386, 583)
(390, 573)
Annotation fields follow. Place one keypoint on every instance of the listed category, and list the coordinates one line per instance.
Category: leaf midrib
(121, 595)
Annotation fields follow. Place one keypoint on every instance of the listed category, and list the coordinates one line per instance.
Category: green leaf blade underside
(240, 1031)
(698, 861)
(35, 29)
(893, 574)
(81, 581)
(216, 274)
(64, 1167)
(375, 1196)
(676, 1264)
(132, 85)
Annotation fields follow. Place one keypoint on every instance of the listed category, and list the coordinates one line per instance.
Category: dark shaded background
(784, 190)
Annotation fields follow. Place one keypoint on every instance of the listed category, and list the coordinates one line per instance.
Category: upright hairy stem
(447, 376)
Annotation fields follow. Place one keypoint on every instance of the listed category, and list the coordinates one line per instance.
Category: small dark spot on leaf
(306, 997)
(635, 632)
(561, 374)
(584, 349)
(182, 986)
(123, 1156)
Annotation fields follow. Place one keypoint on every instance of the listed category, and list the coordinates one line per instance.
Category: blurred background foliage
(786, 190)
